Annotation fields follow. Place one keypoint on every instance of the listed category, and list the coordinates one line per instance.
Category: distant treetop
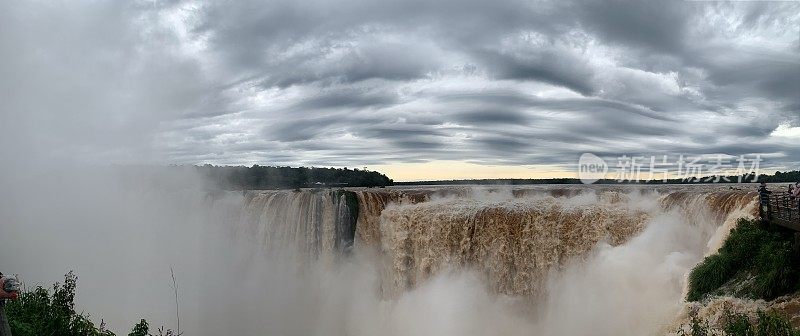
(792, 176)
(272, 177)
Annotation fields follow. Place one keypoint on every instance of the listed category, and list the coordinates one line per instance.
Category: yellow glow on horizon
(459, 170)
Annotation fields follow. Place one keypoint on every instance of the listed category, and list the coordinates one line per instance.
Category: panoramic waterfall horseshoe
(514, 239)
(400, 168)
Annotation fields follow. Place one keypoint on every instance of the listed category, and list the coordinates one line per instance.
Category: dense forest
(270, 177)
(792, 176)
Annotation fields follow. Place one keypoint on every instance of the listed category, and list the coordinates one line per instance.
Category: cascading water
(514, 243)
(314, 224)
(577, 258)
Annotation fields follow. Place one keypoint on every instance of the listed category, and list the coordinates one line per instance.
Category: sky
(417, 89)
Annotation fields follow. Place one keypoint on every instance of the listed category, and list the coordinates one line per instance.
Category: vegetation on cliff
(737, 324)
(755, 262)
(44, 311)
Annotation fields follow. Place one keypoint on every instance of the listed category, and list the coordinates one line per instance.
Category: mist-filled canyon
(399, 168)
(488, 260)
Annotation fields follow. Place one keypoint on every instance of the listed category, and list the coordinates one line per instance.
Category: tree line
(272, 177)
(778, 177)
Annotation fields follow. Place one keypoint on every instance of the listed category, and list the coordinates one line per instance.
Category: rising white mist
(122, 230)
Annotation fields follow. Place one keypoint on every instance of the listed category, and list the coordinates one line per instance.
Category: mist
(122, 230)
(106, 105)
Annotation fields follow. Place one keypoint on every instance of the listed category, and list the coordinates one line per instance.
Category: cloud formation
(356, 82)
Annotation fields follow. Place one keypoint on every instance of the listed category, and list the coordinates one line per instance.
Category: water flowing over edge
(531, 248)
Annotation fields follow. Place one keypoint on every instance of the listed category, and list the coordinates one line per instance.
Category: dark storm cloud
(500, 100)
(748, 130)
(298, 130)
(774, 77)
(347, 99)
(403, 132)
(377, 60)
(416, 145)
(503, 145)
(358, 82)
(547, 66)
(492, 117)
(658, 26)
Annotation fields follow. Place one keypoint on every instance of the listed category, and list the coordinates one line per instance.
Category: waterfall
(309, 224)
(513, 238)
(514, 243)
(527, 260)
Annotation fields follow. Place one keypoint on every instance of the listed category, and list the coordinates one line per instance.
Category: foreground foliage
(765, 324)
(754, 262)
(51, 312)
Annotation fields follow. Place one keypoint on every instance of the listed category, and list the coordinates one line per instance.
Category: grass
(764, 255)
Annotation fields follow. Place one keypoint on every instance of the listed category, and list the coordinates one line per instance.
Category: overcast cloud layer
(356, 82)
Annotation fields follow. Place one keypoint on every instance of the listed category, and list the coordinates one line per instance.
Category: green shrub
(765, 254)
(51, 312)
(770, 324)
(776, 270)
(40, 312)
(767, 324)
(738, 325)
(140, 329)
(709, 275)
(699, 328)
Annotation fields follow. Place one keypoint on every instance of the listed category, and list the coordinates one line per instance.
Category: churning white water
(544, 261)
(438, 261)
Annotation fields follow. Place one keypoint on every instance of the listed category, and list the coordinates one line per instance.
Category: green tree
(43, 312)
(140, 329)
